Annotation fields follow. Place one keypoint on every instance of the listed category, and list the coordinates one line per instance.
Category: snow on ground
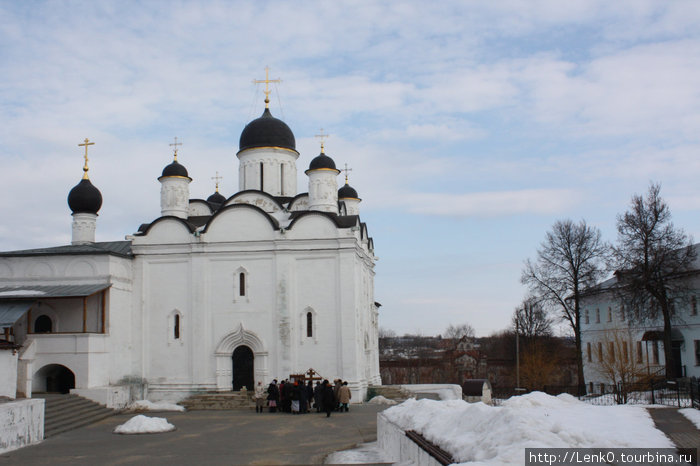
(692, 414)
(380, 400)
(367, 453)
(477, 433)
(145, 405)
(144, 425)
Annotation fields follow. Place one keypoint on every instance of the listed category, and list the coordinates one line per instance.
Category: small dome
(85, 198)
(347, 192)
(322, 161)
(175, 169)
(216, 199)
(267, 131)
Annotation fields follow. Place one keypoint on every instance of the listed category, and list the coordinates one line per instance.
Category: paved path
(677, 427)
(208, 438)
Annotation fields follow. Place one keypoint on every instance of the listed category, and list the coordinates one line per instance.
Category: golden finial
(267, 81)
(85, 168)
(346, 170)
(321, 135)
(175, 150)
(216, 179)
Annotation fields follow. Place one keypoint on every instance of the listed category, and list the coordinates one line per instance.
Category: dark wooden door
(243, 368)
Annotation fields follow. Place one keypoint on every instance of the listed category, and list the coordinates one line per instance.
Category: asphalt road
(208, 438)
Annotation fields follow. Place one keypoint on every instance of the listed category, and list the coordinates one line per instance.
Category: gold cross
(321, 135)
(85, 168)
(175, 144)
(216, 179)
(346, 170)
(267, 81)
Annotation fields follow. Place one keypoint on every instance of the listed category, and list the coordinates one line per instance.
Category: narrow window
(622, 314)
(609, 314)
(587, 316)
(241, 284)
(697, 352)
(611, 347)
(693, 306)
(281, 179)
(261, 176)
(655, 352)
(600, 351)
(309, 324)
(625, 352)
(588, 351)
(597, 316)
(176, 327)
(640, 356)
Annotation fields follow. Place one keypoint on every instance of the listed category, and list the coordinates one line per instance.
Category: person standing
(259, 397)
(273, 396)
(344, 396)
(328, 398)
(318, 397)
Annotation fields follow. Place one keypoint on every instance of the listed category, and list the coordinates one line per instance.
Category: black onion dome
(267, 131)
(216, 198)
(322, 161)
(175, 169)
(84, 198)
(347, 192)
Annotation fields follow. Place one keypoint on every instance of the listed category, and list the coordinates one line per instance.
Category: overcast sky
(470, 127)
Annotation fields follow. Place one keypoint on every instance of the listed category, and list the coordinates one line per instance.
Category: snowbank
(145, 405)
(144, 425)
(692, 414)
(380, 400)
(441, 391)
(475, 432)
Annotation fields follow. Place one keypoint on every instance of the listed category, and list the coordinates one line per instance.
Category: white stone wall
(278, 166)
(8, 369)
(21, 424)
(174, 196)
(323, 190)
(398, 448)
(84, 226)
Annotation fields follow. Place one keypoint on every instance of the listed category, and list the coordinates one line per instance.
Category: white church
(214, 295)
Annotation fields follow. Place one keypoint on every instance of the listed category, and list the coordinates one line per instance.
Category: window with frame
(697, 352)
(176, 327)
(655, 352)
(586, 316)
(309, 324)
(588, 351)
(609, 314)
(597, 315)
(600, 351)
(640, 355)
(693, 306)
(611, 350)
(625, 352)
(241, 284)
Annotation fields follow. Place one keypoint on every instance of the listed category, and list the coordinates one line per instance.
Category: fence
(682, 393)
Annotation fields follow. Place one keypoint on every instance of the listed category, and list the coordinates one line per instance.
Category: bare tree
(651, 259)
(569, 261)
(616, 361)
(458, 331)
(386, 333)
(531, 320)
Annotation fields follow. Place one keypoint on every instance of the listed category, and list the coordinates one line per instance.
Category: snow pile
(367, 453)
(443, 391)
(22, 293)
(475, 432)
(380, 400)
(144, 425)
(692, 414)
(145, 405)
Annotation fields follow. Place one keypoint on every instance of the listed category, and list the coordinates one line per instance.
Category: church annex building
(213, 295)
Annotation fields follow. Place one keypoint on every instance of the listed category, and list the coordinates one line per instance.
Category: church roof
(84, 198)
(347, 192)
(267, 131)
(15, 292)
(116, 248)
(175, 169)
(322, 161)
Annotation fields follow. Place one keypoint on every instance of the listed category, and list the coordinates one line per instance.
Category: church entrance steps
(220, 400)
(67, 412)
(391, 392)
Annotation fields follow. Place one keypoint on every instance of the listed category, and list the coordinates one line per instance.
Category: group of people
(297, 398)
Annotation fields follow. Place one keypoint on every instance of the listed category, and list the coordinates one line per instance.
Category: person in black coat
(328, 398)
(318, 397)
(273, 396)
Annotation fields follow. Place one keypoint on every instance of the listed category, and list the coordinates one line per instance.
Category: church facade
(213, 295)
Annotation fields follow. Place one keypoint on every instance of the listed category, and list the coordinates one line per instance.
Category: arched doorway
(243, 368)
(53, 378)
(42, 324)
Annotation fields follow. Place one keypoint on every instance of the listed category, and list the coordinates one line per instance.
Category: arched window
(282, 179)
(241, 284)
(309, 324)
(261, 176)
(176, 327)
(42, 324)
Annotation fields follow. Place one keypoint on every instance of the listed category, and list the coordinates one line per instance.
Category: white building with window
(213, 295)
(612, 342)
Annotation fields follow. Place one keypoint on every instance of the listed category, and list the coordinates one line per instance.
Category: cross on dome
(175, 144)
(346, 170)
(267, 82)
(321, 135)
(86, 143)
(216, 179)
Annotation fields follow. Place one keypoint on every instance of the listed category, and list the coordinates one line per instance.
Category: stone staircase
(392, 392)
(220, 400)
(67, 412)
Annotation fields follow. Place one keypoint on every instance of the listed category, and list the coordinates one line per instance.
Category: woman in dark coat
(273, 396)
(328, 398)
(318, 397)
